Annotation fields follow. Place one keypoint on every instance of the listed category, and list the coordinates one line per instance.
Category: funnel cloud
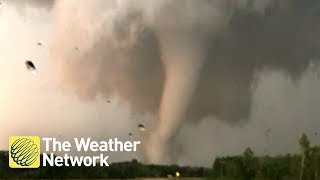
(188, 62)
(183, 60)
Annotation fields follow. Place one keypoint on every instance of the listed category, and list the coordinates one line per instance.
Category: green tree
(315, 161)
(276, 168)
(218, 169)
(250, 164)
(304, 144)
(248, 153)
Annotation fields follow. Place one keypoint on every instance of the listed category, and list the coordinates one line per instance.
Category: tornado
(181, 61)
(177, 67)
(182, 58)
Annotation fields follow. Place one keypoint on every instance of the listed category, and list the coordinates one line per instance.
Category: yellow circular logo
(24, 152)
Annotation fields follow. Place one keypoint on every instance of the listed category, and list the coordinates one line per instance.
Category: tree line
(304, 165)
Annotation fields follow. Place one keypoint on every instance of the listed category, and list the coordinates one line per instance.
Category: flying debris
(267, 131)
(108, 101)
(130, 134)
(39, 44)
(31, 67)
(76, 48)
(141, 127)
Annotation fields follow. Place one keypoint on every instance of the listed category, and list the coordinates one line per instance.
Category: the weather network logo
(24, 151)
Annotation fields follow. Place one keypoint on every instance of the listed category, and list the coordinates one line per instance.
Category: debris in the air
(108, 101)
(268, 131)
(76, 48)
(130, 134)
(31, 67)
(141, 127)
(39, 44)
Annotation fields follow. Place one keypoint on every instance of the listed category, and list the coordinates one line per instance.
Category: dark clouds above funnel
(123, 55)
(285, 37)
(282, 39)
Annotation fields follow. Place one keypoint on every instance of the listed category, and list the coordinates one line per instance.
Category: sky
(69, 99)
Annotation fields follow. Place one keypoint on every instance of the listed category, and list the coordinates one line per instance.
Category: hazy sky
(35, 105)
(38, 105)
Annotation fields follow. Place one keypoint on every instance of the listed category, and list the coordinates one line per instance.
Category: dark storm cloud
(133, 64)
(285, 39)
